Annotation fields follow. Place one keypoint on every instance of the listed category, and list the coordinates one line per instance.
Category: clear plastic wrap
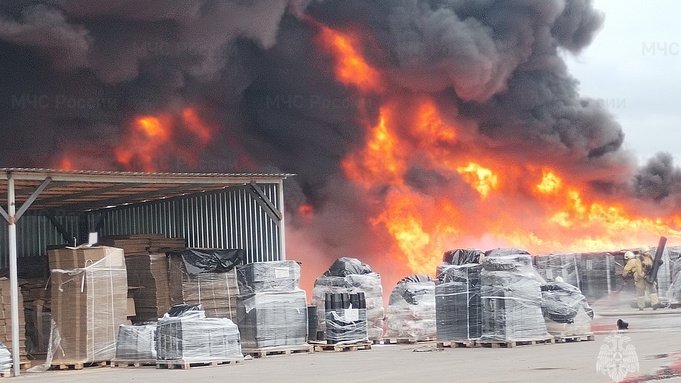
(216, 292)
(195, 338)
(136, 342)
(598, 275)
(369, 284)
(553, 266)
(458, 304)
(268, 277)
(88, 306)
(511, 299)
(565, 310)
(345, 266)
(273, 319)
(674, 291)
(5, 358)
(346, 319)
(411, 312)
(462, 256)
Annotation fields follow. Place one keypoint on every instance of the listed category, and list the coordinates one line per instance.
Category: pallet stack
(272, 309)
(6, 320)
(205, 277)
(148, 276)
(411, 311)
(143, 244)
(89, 303)
(458, 303)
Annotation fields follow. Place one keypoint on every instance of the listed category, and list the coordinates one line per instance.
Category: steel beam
(14, 288)
(27, 204)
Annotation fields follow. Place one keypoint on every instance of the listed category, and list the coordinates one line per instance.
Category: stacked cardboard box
(272, 311)
(142, 244)
(89, 303)
(213, 288)
(148, 275)
(6, 319)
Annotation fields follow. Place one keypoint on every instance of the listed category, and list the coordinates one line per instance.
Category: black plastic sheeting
(200, 261)
(183, 308)
(411, 292)
(504, 252)
(462, 256)
(561, 302)
(347, 266)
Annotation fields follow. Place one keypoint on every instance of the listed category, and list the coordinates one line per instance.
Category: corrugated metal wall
(34, 233)
(227, 219)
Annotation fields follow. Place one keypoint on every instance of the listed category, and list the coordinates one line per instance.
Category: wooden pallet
(133, 363)
(342, 347)
(405, 340)
(575, 338)
(278, 350)
(187, 364)
(468, 343)
(514, 343)
(67, 365)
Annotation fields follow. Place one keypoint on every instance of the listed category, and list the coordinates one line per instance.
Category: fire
(519, 203)
(157, 142)
(480, 178)
(550, 183)
(351, 67)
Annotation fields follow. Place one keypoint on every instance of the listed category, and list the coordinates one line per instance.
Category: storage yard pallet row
(457, 344)
(187, 364)
(133, 363)
(280, 350)
(402, 340)
(342, 347)
(78, 365)
(514, 343)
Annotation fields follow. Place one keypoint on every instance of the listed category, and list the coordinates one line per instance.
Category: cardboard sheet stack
(272, 309)
(192, 337)
(136, 342)
(565, 310)
(349, 275)
(205, 277)
(411, 311)
(6, 319)
(458, 303)
(143, 244)
(511, 298)
(89, 302)
(148, 274)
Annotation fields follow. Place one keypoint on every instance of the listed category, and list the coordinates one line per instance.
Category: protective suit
(636, 267)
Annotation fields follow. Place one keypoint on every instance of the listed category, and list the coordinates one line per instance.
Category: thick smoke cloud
(253, 69)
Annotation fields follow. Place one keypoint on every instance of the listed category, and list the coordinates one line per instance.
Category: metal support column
(14, 289)
(282, 221)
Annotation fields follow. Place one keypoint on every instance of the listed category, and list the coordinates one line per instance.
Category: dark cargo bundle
(511, 298)
(340, 280)
(192, 337)
(462, 256)
(136, 342)
(273, 319)
(268, 277)
(458, 304)
(346, 320)
(565, 310)
(411, 311)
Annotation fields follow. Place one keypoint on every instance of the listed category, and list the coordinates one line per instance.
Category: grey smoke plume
(254, 70)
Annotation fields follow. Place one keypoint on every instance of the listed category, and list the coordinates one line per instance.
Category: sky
(634, 67)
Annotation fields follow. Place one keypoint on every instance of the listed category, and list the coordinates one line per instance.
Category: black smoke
(74, 73)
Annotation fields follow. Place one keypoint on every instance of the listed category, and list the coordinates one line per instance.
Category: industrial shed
(43, 207)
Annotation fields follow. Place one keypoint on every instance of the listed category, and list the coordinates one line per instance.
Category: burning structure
(414, 126)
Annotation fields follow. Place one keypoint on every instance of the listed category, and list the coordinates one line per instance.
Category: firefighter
(635, 268)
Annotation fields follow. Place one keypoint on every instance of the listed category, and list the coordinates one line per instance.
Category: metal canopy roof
(82, 190)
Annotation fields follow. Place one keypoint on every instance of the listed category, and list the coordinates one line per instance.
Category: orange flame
(351, 67)
(520, 204)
